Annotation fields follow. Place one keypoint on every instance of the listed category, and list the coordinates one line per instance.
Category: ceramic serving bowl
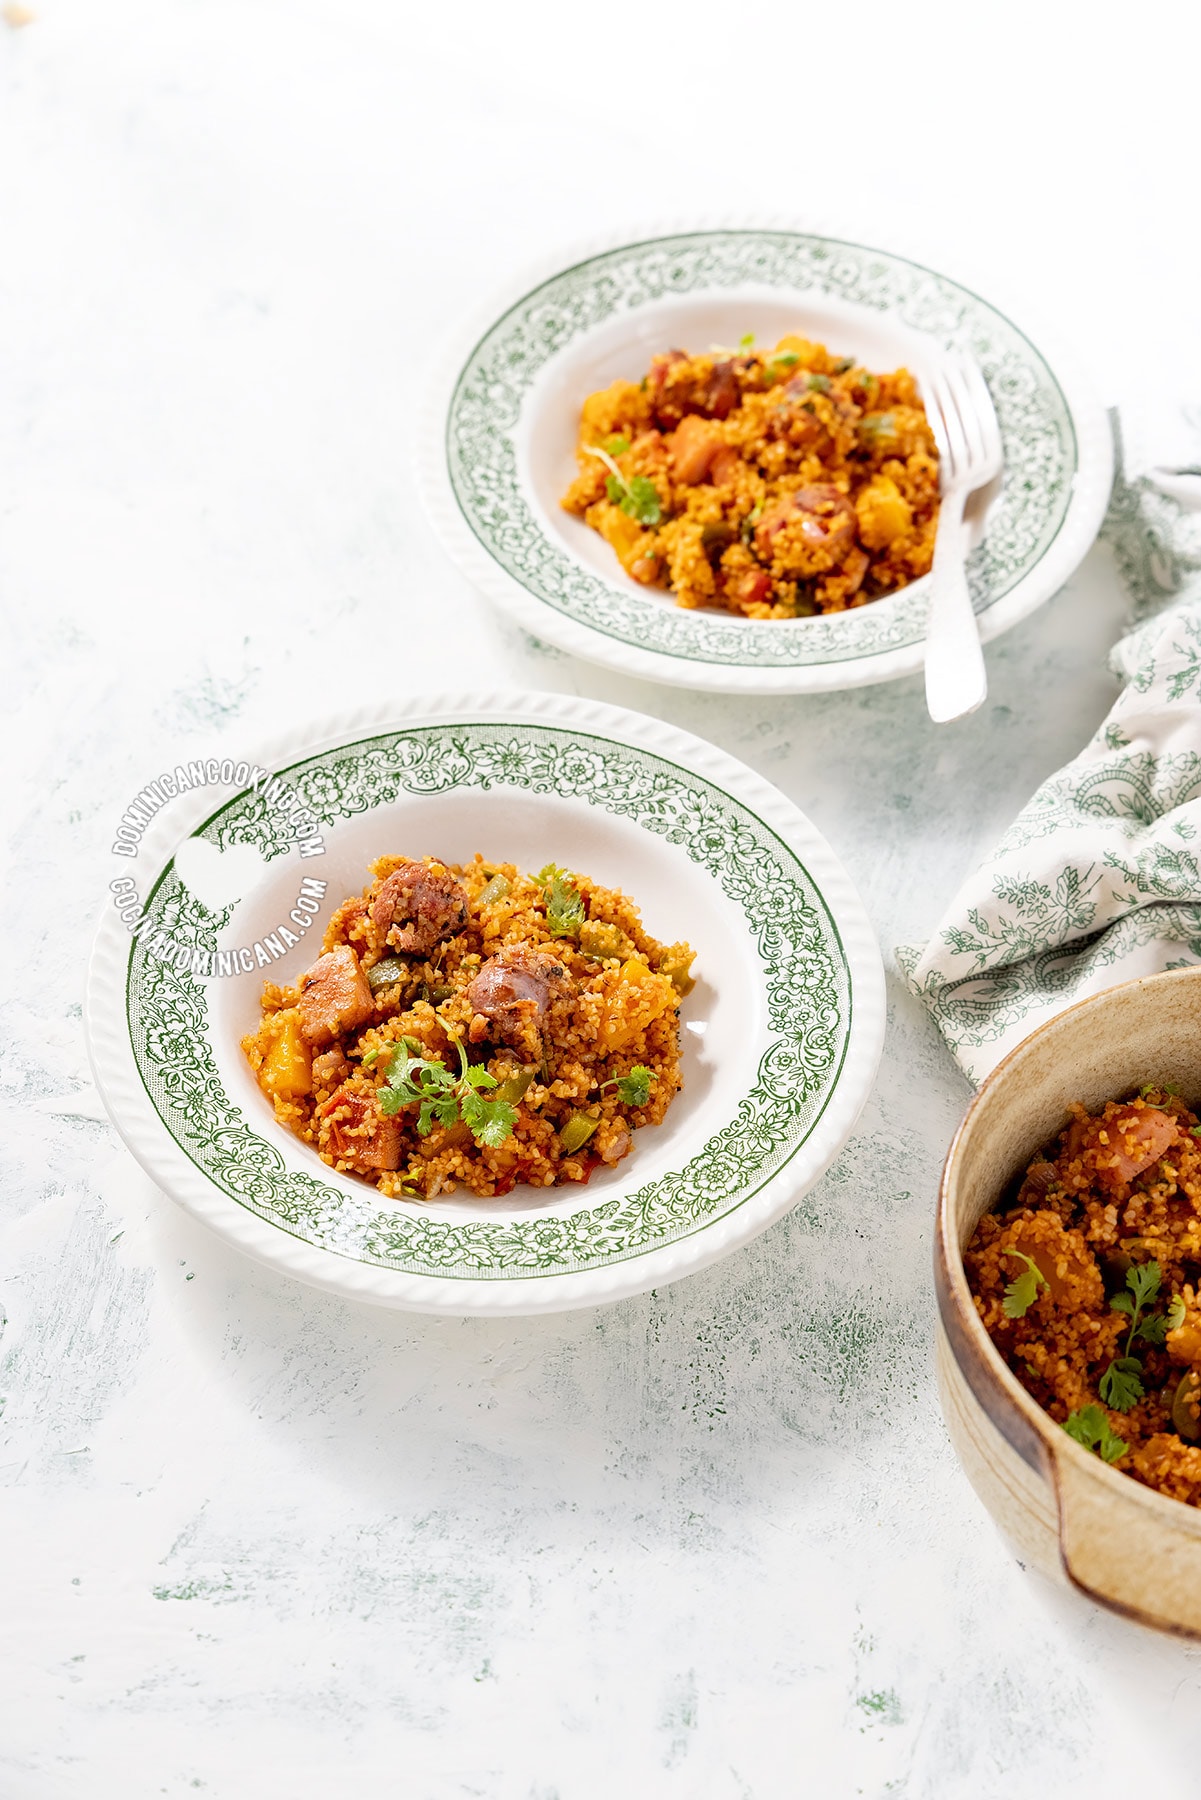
(780, 1040)
(1063, 1509)
(498, 448)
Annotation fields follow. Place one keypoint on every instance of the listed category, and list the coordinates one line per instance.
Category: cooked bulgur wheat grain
(1120, 1191)
(772, 484)
(548, 985)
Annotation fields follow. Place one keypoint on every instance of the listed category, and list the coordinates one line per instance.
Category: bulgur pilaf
(772, 484)
(475, 1026)
(1089, 1284)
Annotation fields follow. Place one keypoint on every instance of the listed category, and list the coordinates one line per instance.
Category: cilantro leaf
(489, 1121)
(1143, 1281)
(1022, 1291)
(746, 340)
(638, 497)
(564, 902)
(1153, 1331)
(1090, 1427)
(444, 1108)
(441, 1096)
(1175, 1318)
(410, 1077)
(1121, 1385)
(633, 1089)
(617, 445)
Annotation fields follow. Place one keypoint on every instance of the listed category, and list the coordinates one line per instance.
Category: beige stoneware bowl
(1063, 1509)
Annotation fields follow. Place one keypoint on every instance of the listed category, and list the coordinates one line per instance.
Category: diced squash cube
(624, 534)
(286, 1069)
(613, 409)
(806, 352)
(883, 512)
(635, 997)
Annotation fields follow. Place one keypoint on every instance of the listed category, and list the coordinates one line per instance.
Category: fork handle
(955, 680)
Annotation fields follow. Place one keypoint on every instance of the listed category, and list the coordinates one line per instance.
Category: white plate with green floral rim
(781, 1036)
(498, 449)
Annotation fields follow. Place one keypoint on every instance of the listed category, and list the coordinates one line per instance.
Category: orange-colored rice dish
(774, 484)
(1088, 1284)
(475, 1026)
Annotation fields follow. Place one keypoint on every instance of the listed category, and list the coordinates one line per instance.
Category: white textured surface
(710, 1544)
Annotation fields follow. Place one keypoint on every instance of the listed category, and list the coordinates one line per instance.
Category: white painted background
(710, 1545)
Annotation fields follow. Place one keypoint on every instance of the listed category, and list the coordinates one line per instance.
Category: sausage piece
(416, 908)
(354, 1131)
(825, 516)
(515, 989)
(334, 996)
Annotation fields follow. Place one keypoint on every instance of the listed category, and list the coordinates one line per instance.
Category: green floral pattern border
(1036, 426)
(806, 978)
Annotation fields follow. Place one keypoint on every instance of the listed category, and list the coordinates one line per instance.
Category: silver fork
(960, 410)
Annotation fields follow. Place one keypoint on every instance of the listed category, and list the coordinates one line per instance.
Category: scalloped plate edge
(144, 1134)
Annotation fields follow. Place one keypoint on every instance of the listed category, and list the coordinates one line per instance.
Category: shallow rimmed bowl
(1064, 1510)
(498, 448)
(781, 1036)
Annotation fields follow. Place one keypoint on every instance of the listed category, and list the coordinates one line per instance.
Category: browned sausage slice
(513, 990)
(417, 907)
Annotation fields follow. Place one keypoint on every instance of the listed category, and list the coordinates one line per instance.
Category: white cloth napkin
(1099, 878)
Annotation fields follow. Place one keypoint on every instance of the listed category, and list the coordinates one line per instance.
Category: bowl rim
(146, 1135)
(1089, 488)
(1029, 1431)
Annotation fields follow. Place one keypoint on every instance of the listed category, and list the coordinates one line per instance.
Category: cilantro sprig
(1121, 1386)
(633, 1089)
(564, 902)
(1089, 1426)
(1022, 1291)
(443, 1097)
(1143, 1281)
(638, 498)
